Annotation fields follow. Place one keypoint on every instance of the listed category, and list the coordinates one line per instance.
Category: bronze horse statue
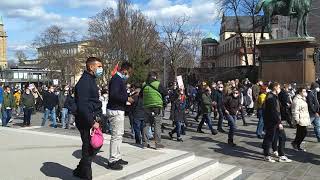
(281, 7)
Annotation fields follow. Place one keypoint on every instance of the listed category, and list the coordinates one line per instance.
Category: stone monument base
(288, 60)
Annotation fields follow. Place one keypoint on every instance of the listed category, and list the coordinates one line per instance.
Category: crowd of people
(88, 106)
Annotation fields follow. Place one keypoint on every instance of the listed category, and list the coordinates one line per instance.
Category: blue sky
(24, 19)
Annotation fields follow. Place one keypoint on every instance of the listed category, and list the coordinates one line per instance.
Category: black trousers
(88, 153)
(271, 139)
(27, 116)
(300, 135)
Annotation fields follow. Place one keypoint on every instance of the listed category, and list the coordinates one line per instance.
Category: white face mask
(318, 89)
(105, 95)
(305, 94)
(27, 92)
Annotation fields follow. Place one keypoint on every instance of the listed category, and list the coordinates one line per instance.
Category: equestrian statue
(298, 9)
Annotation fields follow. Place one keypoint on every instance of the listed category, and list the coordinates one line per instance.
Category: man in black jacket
(219, 99)
(314, 108)
(273, 126)
(50, 102)
(118, 99)
(87, 114)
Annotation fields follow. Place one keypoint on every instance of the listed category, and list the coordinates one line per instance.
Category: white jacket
(300, 112)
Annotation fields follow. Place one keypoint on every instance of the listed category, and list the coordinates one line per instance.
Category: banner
(180, 82)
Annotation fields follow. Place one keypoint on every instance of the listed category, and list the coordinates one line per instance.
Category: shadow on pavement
(99, 160)
(56, 170)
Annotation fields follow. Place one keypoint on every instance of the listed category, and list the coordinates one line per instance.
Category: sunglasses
(220, 87)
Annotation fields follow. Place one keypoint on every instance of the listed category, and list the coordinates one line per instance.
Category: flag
(115, 70)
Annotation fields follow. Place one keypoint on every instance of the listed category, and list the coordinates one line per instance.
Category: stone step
(162, 167)
(222, 172)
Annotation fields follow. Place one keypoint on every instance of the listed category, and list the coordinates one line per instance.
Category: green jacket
(152, 98)
(206, 104)
(28, 100)
(8, 101)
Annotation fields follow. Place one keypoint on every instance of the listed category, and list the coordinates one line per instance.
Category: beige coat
(300, 112)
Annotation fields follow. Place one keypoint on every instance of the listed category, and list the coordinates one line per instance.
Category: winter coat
(137, 108)
(17, 98)
(300, 112)
(70, 104)
(313, 103)
(272, 116)
(206, 104)
(62, 100)
(28, 101)
(232, 104)
(8, 101)
(179, 108)
(250, 102)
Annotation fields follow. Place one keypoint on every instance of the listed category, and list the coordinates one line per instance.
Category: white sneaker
(269, 159)
(10, 121)
(285, 159)
(275, 154)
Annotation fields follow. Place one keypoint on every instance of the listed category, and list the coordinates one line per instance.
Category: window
(249, 41)
(15, 75)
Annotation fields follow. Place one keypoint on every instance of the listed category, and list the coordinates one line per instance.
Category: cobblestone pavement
(247, 155)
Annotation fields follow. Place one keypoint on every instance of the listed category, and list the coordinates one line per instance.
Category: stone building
(3, 46)
(209, 52)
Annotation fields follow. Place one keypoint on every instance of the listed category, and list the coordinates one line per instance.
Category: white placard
(56, 82)
(180, 82)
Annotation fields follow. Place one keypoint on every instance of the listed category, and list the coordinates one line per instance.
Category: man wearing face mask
(63, 109)
(219, 99)
(273, 125)
(232, 106)
(7, 106)
(87, 114)
(118, 99)
(314, 107)
(50, 101)
(28, 104)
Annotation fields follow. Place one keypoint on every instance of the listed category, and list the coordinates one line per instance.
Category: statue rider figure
(291, 10)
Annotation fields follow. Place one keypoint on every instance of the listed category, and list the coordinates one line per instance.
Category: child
(138, 116)
(179, 106)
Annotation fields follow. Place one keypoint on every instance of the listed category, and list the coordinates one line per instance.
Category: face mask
(125, 77)
(105, 95)
(235, 95)
(305, 94)
(67, 89)
(220, 89)
(65, 94)
(99, 72)
(27, 92)
(51, 90)
(268, 90)
(318, 89)
(9, 92)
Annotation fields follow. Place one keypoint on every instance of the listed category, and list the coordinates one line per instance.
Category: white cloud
(10, 4)
(91, 3)
(199, 11)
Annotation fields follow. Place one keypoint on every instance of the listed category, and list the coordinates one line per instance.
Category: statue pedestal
(288, 60)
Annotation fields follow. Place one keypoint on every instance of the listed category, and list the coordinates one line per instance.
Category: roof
(209, 40)
(67, 44)
(229, 23)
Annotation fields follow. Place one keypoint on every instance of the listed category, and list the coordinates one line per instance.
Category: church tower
(3, 46)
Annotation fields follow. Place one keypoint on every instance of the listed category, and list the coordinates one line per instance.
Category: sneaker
(170, 135)
(145, 146)
(275, 154)
(159, 146)
(123, 162)
(285, 159)
(214, 132)
(200, 131)
(269, 159)
(179, 140)
(231, 143)
(10, 121)
(115, 166)
(294, 145)
(301, 149)
(221, 130)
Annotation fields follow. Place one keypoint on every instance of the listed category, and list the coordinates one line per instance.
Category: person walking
(138, 116)
(87, 115)
(232, 106)
(28, 104)
(153, 103)
(301, 116)
(7, 106)
(63, 109)
(118, 99)
(273, 126)
(219, 99)
(206, 109)
(17, 100)
(261, 101)
(285, 105)
(1, 100)
(70, 104)
(50, 101)
(105, 121)
(179, 108)
(314, 107)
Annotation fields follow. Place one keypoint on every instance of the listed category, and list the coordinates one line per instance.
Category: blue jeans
(64, 117)
(178, 129)
(138, 125)
(260, 125)
(52, 115)
(232, 125)
(206, 118)
(316, 124)
(221, 117)
(6, 116)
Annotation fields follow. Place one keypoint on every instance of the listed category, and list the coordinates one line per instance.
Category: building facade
(209, 52)
(3, 46)
(69, 54)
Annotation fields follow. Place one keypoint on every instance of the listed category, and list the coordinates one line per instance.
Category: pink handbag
(96, 138)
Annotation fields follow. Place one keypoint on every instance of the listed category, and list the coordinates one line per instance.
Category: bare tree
(125, 34)
(21, 56)
(249, 9)
(234, 6)
(175, 40)
(54, 54)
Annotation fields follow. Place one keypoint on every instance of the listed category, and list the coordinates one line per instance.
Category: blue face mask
(99, 72)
